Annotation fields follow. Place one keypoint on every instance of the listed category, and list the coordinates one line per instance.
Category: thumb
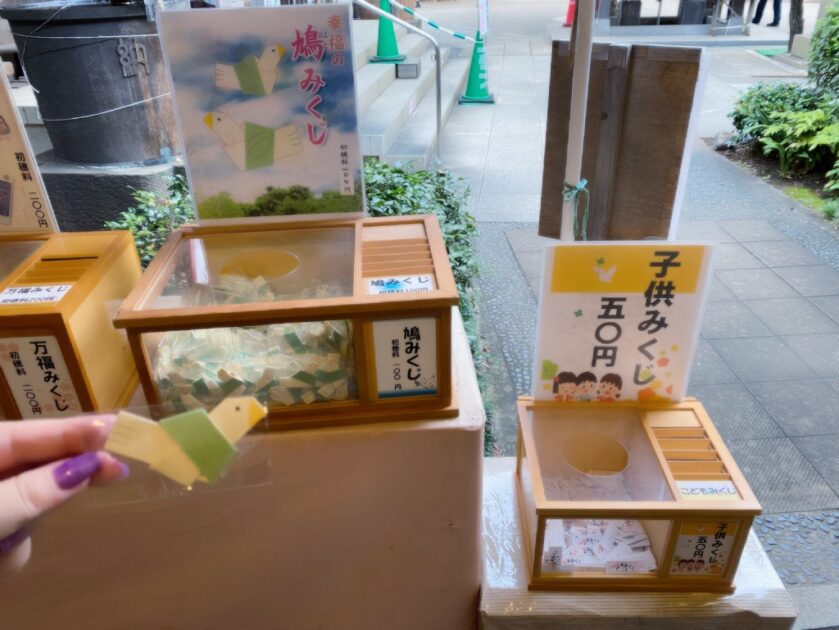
(26, 496)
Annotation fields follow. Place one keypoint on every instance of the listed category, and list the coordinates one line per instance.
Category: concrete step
(382, 122)
(374, 78)
(365, 37)
(416, 142)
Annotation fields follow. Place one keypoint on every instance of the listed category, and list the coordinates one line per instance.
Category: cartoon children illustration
(586, 386)
(565, 383)
(609, 389)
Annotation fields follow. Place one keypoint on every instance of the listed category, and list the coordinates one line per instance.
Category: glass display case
(629, 496)
(59, 351)
(330, 321)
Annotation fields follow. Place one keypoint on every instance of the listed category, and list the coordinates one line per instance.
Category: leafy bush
(830, 210)
(155, 216)
(823, 61)
(393, 191)
(802, 139)
(797, 123)
(755, 107)
(280, 201)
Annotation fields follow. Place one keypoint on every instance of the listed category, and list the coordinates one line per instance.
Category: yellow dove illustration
(253, 146)
(190, 446)
(253, 75)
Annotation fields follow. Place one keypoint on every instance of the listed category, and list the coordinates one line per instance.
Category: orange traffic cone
(569, 16)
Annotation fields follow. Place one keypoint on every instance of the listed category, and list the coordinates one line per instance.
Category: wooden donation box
(59, 352)
(622, 496)
(325, 321)
(623, 483)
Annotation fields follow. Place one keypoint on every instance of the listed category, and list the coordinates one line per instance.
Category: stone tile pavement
(767, 365)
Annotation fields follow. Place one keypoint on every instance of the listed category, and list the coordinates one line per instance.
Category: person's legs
(776, 10)
(759, 11)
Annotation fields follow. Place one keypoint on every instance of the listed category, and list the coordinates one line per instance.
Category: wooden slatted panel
(692, 444)
(679, 432)
(63, 270)
(710, 456)
(399, 257)
(689, 452)
(636, 128)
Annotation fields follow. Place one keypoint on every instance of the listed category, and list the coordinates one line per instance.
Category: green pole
(387, 50)
(477, 87)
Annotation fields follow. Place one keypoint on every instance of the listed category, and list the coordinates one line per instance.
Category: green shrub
(800, 139)
(823, 60)
(799, 124)
(755, 107)
(155, 216)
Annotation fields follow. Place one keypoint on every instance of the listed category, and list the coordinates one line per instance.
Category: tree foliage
(823, 61)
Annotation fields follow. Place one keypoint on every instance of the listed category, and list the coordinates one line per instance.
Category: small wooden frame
(59, 352)
(677, 481)
(343, 258)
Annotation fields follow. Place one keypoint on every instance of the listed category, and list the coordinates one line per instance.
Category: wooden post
(579, 100)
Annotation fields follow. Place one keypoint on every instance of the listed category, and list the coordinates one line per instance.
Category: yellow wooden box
(329, 321)
(629, 496)
(59, 352)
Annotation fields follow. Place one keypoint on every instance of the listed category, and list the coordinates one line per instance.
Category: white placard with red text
(35, 371)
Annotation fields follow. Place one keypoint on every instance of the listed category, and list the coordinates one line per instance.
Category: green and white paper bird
(190, 446)
(252, 146)
(253, 75)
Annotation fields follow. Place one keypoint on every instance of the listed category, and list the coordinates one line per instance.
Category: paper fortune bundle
(280, 364)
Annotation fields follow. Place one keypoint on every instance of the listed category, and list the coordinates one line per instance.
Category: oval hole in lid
(269, 264)
(593, 453)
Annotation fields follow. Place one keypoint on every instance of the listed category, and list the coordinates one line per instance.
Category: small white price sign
(406, 357)
(401, 284)
(43, 294)
(700, 490)
(35, 371)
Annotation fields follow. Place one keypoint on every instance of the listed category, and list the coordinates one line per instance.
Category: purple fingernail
(76, 470)
(124, 470)
(10, 542)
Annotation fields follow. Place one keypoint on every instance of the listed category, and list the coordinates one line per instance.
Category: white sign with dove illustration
(619, 321)
(265, 101)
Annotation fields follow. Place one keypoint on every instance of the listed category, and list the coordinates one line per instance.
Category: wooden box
(629, 496)
(59, 352)
(327, 321)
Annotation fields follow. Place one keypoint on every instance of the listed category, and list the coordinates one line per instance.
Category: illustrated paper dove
(255, 76)
(252, 146)
(188, 446)
(604, 275)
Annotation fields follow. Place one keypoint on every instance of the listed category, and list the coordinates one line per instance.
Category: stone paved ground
(767, 365)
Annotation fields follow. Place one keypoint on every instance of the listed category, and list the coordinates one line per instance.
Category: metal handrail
(437, 62)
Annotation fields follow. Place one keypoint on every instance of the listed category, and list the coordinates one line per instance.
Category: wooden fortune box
(328, 321)
(640, 497)
(624, 484)
(59, 352)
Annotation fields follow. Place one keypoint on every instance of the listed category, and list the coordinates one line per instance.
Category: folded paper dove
(189, 446)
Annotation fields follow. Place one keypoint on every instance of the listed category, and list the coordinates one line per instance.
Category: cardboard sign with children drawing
(619, 321)
(266, 106)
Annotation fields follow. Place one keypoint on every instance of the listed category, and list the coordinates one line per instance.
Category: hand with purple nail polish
(43, 463)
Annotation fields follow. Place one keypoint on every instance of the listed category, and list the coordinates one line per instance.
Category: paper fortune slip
(190, 446)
